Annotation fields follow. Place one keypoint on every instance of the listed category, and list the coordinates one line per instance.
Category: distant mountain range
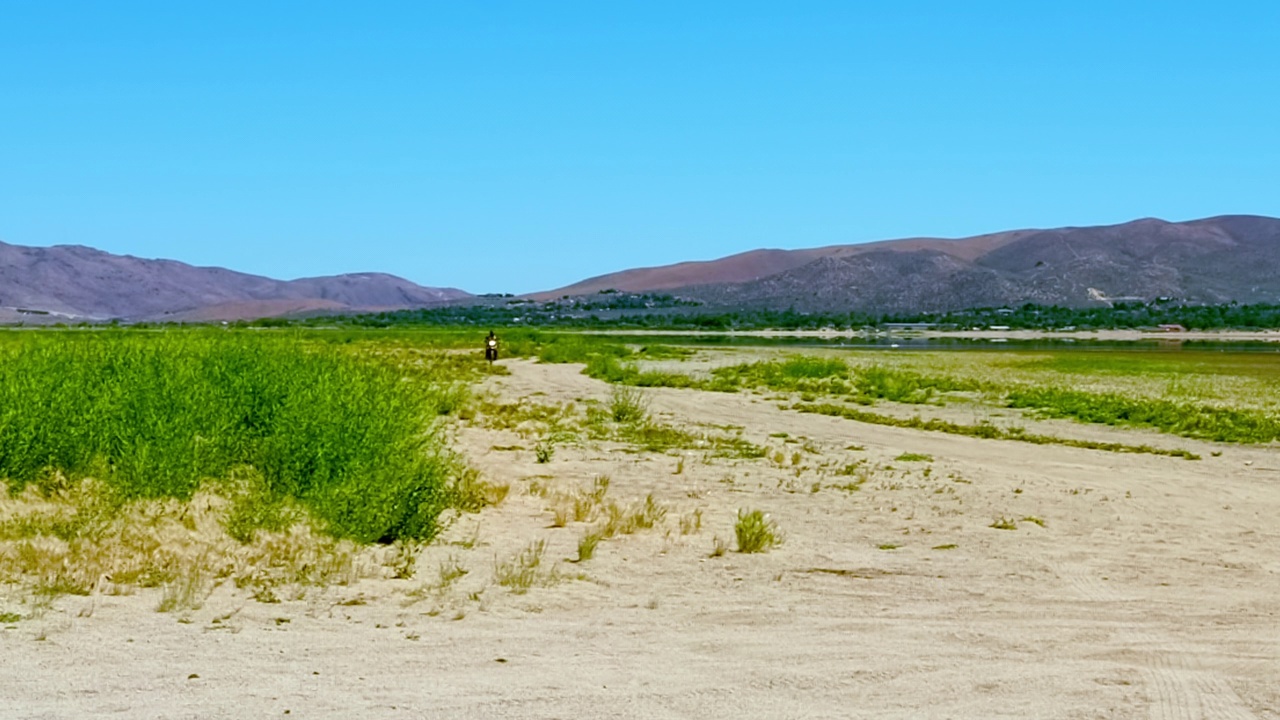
(74, 283)
(1215, 260)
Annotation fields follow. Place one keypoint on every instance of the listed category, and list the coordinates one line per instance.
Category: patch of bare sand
(1150, 591)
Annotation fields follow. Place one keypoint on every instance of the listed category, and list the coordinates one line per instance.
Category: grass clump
(718, 547)
(914, 457)
(528, 419)
(523, 571)
(611, 370)
(629, 520)
(881, 383)
(155, 416)
(691, 523)
(587, 545)
(450, 571)
(628, 405)
(578, 505)
(755, 532)
(1004, 523)
(650, 435)
(800, 373)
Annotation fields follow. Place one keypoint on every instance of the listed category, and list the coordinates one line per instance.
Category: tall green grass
(610, 369)
(156, 415)
(881, 383)
(801, 373)
(1180, 418)
(578, 348)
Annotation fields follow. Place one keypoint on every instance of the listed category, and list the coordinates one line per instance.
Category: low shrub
(628, 405)
(755, 532)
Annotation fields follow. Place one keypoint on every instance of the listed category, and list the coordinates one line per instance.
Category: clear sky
(519, 146)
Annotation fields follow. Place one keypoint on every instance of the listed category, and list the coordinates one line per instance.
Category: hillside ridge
(77, 282)
(1227, 258)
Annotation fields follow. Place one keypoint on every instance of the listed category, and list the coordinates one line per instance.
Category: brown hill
(757, 264)
(75, 282)
(1222, 259)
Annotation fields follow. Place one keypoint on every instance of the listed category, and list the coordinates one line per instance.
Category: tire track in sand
(1182, 691)
(1180, 687)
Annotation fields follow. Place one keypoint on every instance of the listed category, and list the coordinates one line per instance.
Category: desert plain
(919, 575)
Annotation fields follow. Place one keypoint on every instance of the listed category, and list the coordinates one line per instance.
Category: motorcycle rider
(491, 347)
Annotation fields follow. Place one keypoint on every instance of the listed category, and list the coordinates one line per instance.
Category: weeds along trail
(134, 458)
(1231, 403)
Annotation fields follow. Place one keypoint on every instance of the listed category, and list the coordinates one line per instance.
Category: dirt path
(1152, 590)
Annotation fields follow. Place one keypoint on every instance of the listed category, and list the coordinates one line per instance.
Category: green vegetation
(524, 570)
(614, 309)
(691, 522)
(814, 376)
(883, 383)
(578, 348)
(347, 438)
(914, 457)
(1179, 418)
(568, 423)
(628, 405)
(81, 538)
(609, 369)
(982, 430)
(1121, 315)
(755, 532)
(587, 545)
(652, 436)
(798, 373)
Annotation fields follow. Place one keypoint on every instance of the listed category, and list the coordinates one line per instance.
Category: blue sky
(521, 146)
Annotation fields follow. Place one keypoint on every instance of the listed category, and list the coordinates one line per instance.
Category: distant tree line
(1120, 316)
(667, 313)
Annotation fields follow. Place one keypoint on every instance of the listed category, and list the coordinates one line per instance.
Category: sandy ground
(1151, 591)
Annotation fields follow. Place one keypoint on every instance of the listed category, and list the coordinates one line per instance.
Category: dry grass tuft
(755, 532)
(78, 540)
(523, 571)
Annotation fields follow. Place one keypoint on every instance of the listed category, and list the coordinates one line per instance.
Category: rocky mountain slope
(1221, 259)
(74, 282)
